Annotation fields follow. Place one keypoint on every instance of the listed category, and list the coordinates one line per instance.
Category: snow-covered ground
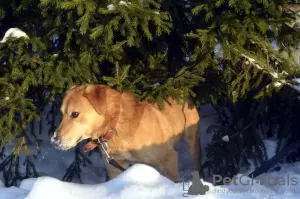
(142, 181)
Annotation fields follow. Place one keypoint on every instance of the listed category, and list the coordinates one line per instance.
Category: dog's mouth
(61, 146)
(82, 138)
(79, 140)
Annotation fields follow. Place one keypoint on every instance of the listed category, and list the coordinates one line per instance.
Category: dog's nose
(54, 138)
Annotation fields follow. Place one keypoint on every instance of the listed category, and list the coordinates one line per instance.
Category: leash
(102, 142)
(109, 159)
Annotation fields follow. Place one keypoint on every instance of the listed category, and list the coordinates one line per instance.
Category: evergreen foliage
(10, 167)
(234, 54)
(248, 39)
(74, 169)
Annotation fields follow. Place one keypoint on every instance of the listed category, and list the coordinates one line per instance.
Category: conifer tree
(250, 44)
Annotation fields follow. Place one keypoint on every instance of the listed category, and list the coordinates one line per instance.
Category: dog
(140, 132)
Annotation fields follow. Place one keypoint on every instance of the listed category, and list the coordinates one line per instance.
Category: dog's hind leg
(192, 133)
(169, 166)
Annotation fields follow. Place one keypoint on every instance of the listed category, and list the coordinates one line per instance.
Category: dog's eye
(74, 114)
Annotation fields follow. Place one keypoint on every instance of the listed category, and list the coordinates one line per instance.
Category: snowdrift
(142, 181)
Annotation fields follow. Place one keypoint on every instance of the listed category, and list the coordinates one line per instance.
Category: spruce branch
(2, 153)
(278, 77)
(74, 170)
(30, 170)
(10, 168)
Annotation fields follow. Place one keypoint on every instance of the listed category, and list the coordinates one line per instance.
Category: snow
(111, 7)
(270, 147)
(153, 86)
(251, 60)
(274, 74)
(13, 32)
(297, 80)
(277, 84)
(122, 3)
(27, 184)
(225, 138)
(156, 84)
(12, 193)
(284, 72)
(142, 181)
(139, 181)
(296, 86)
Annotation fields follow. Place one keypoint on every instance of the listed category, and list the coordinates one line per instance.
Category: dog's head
(83, 112)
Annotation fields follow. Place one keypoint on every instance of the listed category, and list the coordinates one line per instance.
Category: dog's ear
(97, 96)
(73, 86)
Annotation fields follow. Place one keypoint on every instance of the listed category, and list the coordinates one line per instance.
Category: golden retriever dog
(143, 132)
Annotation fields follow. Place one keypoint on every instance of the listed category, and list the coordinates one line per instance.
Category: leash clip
(104, 147)
(109, 159)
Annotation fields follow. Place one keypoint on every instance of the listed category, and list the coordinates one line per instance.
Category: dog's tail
(192, 132)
